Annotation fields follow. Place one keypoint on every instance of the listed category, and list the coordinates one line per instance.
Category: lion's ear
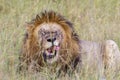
(75, 36)
(38, 18)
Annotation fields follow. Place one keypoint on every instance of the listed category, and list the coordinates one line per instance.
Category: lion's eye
(58, 33)
(43, 33)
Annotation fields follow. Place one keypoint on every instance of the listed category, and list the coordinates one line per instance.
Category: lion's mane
(70, 47)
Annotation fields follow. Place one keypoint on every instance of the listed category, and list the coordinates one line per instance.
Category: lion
(51, 40)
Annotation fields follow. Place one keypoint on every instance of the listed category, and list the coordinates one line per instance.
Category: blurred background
(94, 20)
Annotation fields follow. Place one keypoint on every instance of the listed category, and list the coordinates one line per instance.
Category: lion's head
(50, 38)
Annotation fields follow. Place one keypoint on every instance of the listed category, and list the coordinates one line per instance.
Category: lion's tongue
(57, 48)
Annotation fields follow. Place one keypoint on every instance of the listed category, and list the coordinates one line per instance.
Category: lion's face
(50, 37)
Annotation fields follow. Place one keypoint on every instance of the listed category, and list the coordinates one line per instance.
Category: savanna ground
(94, 20)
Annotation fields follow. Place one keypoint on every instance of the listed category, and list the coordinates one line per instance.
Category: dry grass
(93, 20)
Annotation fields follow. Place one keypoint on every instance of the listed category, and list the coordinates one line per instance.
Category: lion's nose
(51, 40)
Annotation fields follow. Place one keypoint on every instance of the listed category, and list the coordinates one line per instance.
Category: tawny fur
(70, 48)
(102, 56)
(105, 54)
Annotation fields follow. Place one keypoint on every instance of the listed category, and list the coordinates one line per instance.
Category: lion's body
(72, 49)
(101, 56)
(106, 52)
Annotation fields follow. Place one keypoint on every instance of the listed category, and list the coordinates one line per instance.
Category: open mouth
(51, 52)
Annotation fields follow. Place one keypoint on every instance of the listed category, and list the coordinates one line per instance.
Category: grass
(94, 20)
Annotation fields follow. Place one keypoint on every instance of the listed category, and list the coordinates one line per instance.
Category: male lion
(50, 40)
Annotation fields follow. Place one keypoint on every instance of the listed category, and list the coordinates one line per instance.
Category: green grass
(94, 20)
